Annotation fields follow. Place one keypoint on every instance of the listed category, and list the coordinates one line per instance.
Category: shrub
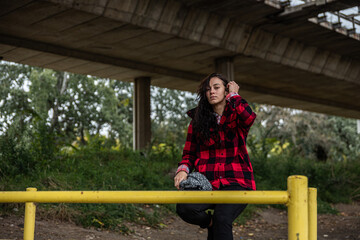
(335, 181)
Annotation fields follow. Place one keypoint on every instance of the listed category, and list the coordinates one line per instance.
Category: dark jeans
(224, 215)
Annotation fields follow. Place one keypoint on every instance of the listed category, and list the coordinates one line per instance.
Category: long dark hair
(204, 117)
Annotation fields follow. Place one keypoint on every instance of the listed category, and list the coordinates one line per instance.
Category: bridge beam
(198, 25)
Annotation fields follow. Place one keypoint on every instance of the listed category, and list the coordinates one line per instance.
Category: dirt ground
(268, 224)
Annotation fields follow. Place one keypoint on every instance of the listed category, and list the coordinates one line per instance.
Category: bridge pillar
(141, 109)
(225, 66)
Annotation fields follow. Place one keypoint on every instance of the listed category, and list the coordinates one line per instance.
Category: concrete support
(142, 122)
(225, 66)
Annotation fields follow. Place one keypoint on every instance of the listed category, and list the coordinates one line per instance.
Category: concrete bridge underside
(279, 57)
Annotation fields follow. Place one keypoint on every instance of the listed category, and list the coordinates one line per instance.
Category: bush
(15, 159)
(104, 169)
(335, 181)
(124, 169)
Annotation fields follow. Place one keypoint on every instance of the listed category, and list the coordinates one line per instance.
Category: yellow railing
(300, 200)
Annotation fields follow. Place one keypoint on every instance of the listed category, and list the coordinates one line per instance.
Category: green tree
(62, 105)
(119, 112)
(14, 100)
(310, 135)
(169, 118)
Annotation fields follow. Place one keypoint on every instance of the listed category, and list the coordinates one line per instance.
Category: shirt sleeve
(245, 115)
(184, 168)
(189, 153)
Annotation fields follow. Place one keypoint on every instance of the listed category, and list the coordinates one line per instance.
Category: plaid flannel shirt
(223, 159)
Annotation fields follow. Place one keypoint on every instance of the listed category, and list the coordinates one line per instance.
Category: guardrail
(300, 200)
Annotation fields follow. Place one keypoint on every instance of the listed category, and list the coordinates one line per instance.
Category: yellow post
(312, 214)
(29, 223)
(298, 207)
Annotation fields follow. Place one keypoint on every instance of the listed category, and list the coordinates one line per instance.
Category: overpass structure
(279, 53)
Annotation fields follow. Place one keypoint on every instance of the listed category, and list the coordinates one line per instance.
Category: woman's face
(216, 92)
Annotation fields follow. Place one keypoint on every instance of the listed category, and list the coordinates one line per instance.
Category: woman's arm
(189, 153)
(188, 158)
(245, 115)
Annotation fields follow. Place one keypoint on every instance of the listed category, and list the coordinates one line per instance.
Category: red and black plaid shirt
(223, 159)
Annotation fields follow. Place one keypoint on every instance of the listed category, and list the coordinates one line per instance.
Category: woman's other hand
(233, 87)
(182, 175)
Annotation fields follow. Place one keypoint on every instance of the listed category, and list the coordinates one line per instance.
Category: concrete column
(142, 122)
(358, 126)
(225, 66)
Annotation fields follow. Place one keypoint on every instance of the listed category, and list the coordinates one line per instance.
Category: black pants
(224, 215)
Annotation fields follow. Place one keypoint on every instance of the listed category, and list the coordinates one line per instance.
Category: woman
(216, 147)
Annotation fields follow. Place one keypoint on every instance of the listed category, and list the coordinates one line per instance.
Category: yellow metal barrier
(312, 213)
(29, 223)
(301, 212)
(298, 207)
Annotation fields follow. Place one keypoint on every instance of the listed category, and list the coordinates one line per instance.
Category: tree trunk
(61, 87)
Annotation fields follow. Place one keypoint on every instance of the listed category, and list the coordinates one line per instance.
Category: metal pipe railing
(258, 197)
(300, 200)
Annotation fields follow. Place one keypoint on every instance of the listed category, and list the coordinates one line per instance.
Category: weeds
(102, 170)
(124, 169)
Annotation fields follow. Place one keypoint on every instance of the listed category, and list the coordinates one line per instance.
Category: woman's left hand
(181, 176)
(233, 87)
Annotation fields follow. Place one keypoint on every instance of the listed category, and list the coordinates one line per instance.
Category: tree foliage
(169, 118)
(311, 135)
(43, 111)
(47, 117)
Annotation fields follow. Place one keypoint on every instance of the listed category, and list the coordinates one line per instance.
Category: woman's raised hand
(179, 178)
(233, 87)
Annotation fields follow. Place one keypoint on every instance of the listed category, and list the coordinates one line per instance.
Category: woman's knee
(186, 210)
(193, 214)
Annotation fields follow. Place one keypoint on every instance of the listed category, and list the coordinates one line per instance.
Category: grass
(123, 169)
(104, 170)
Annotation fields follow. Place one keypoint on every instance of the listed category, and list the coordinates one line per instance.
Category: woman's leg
(195, 213)
(224, 215)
